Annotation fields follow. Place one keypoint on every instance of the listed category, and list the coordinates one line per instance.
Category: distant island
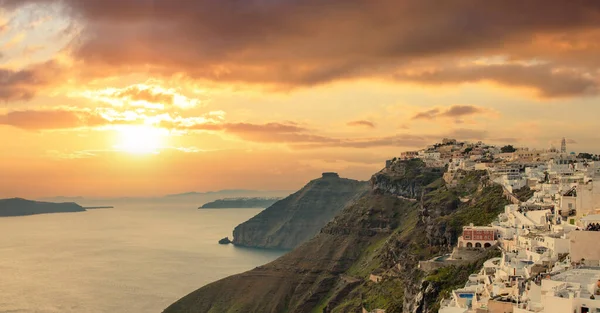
(186, 198)
(240, 203)
(22, 207)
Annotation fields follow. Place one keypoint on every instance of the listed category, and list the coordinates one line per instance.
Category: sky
(151, 97)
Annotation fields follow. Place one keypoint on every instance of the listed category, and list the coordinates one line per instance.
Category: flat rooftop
(581, 275)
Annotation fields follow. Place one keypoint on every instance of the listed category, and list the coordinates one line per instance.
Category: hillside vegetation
(409, 215)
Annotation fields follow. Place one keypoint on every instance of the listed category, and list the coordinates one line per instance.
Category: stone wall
(580, 243)
(510, 197)
(428, 266)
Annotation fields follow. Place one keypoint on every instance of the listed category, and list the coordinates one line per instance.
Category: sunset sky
(151, 97)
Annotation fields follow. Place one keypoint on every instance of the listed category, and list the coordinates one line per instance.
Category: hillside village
(548, 237)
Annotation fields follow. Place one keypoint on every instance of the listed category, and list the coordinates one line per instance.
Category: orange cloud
(361, 123)
(148, 95)
(14, 41)
(296, 136)
(31, 50)
(4, 27)
(137, 94)
(61, 119)
(454, 112)
(23, 84)
(405, 140)
(235, 128)
(288, 133)
(46, 120)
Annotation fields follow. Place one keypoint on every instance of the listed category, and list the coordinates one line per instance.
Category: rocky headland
(410, 214)
(299, 217)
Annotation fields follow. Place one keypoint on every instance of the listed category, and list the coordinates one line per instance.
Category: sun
(140, 139)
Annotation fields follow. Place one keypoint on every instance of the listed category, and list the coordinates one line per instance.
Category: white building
(588, 199)
(576, 290)
(584, 246)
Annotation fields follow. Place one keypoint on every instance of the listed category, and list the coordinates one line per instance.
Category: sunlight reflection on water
(129, 259)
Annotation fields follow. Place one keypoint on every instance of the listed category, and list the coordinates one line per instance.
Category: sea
(128, 259)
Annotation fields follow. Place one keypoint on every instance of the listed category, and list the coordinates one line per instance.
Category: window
(570, 206)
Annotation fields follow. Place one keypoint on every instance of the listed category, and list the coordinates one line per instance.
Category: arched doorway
(487, 245)
(469, 245)
(477, 245)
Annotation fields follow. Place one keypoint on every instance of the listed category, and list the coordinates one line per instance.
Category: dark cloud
(361, 123)
(546, 79)
(462, 110)
(306, 42)
(18, 85)
(455, 111)
(429, 114)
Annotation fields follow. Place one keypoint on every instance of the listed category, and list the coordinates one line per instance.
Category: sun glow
(141, 139)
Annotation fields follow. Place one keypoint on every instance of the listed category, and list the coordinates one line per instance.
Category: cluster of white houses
(550, 242)
(549, 236)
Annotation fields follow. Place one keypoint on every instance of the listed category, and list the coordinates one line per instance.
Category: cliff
(21, 207)
(240, 203)
(409, 215)
(299, 217)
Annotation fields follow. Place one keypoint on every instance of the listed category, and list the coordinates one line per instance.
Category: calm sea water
(123, 260)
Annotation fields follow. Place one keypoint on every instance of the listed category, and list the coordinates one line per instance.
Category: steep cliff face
(404, 179)
(299, 217)
(410, 215)
(303, 279)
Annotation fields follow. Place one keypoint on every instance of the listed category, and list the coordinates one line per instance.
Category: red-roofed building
(477, 237)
